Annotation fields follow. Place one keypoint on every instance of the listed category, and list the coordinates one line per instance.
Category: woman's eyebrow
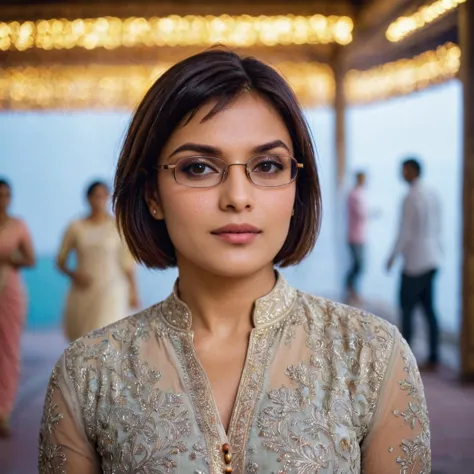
(270, 146)
(198, 148)
(214, 151)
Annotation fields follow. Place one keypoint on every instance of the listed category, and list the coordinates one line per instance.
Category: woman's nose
(237, 191)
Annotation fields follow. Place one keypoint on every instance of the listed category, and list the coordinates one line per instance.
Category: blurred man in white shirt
(419, 243)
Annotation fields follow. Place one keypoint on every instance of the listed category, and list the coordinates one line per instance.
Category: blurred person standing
(103, 286)
(357, 215)
(16, 252)
(419, 243)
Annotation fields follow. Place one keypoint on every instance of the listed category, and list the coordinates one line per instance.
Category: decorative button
(227, 458)
(226, 448)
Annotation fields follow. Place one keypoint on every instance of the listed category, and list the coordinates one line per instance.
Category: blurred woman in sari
(103, 281)
(16, 252)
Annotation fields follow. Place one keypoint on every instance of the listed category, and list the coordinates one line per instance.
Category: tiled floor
(452, 424)
(451, 412)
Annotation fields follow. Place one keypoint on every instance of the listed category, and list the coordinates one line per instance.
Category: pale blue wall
(50, 157)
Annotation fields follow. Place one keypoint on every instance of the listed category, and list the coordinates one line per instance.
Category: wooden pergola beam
(466, 21)
(33, 10)
(148, 8)
(163, 54)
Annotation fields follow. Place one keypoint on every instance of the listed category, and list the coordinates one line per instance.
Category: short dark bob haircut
(214, 75)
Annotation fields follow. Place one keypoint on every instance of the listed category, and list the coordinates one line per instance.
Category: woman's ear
(153, 202)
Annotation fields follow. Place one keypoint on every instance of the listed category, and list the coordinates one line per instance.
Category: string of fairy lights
(121, 87)
(174, 30)
(404, 76)
(422, 17)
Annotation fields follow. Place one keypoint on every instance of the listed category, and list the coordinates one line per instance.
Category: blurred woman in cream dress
(103, 287)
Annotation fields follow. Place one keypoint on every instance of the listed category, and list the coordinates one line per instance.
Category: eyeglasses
(268, 171)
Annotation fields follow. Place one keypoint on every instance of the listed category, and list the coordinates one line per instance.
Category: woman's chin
(239, 270)
(234, 267)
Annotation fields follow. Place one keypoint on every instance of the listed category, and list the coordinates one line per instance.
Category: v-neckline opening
(199, 389)
(225, 433)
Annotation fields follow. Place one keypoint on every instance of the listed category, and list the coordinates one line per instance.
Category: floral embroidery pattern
(307, 399)
(249, 392)
(416, 452)
(52, 459)
(318, 425)
(135, 426)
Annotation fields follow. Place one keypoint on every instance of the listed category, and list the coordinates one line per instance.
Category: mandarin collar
(268, 309)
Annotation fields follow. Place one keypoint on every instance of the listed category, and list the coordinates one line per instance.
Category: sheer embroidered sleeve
(399, 439)
(63, 444)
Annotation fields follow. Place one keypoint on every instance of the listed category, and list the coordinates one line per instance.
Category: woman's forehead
(248, 122)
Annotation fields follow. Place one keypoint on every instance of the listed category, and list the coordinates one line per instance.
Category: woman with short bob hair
(236, 371)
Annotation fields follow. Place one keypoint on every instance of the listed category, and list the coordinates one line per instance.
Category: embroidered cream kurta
(325, 389)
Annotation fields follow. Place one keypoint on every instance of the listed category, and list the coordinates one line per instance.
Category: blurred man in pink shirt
(357, 212)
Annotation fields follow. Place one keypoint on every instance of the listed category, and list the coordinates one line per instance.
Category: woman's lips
(233, 238)
(237, 233)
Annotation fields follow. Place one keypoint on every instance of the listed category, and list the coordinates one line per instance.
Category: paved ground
(40, 352)
(451, 411)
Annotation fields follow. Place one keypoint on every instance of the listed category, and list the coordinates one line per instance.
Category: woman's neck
(220, 305)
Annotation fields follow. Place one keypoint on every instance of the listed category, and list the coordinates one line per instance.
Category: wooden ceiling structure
(369, 47)
(76, 54)
(309, 61)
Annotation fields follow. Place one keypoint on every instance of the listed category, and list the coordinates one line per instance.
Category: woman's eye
(268, 166)
(199, 168)
(193, 167)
